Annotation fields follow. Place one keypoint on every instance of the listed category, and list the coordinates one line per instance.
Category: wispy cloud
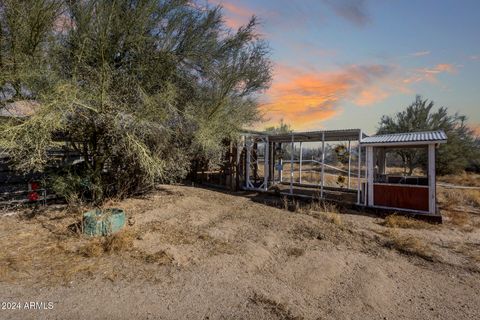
(475, 57)
(354, 11)
(420, 53)
(429, 74)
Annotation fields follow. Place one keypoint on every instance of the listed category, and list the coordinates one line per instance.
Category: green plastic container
(103, 222)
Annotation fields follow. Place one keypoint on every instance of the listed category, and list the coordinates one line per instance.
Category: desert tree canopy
(454, 156)
(138, 88)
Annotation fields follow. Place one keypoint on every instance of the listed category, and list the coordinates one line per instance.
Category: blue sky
(344, 63)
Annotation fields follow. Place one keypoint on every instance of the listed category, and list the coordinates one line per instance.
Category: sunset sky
(344, 63)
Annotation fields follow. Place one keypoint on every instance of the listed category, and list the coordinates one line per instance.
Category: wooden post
(349, 161)
(291, 168)
(301, 156)
(370, 171)
(431, 179)
(280, 162)
(247, 164)
(323, 164)
(359, 174)
(266, 167)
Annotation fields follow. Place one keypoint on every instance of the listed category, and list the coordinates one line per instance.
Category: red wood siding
(401, 196)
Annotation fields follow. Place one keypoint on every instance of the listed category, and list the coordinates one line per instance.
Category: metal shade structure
(266, 144)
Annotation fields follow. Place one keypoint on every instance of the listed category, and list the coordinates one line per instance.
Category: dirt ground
(193, 253)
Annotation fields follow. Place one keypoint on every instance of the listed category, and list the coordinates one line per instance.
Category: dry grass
(277, 309)
(304, 231)
(160, 258)
(472, 197)
(454, 198)
(295, 252)
(118, 242)
(396, 221)
(463, 179)
(410, 245)
(458, 207)
(457, 218)
(334, 218)
(471, 251)
(46, 249)
(328, 211)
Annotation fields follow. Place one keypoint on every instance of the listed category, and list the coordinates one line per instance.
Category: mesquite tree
(454, 156)
(137, 88)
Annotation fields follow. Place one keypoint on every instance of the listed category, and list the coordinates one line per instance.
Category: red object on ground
(33, 196)
(34, 186)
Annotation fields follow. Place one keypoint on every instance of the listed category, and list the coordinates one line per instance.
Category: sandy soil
(192, 253)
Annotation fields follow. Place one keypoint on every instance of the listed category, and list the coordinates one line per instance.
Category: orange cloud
(306, 99)
(476, 129)
(371, 95)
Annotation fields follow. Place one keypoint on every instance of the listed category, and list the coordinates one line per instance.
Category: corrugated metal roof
(409, 137)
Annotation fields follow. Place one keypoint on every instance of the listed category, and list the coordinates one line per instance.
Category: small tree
(454, 156)
(281, 128)
(138, 89)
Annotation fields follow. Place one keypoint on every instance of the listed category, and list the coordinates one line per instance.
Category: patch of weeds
(285, 203)
(93, 248)
(396, 221)
(118, 242)
(334, 217)
(451, 198)
(457, 218)
(221, 247)
(470, 251)
(326, 211)
(277, 309)
(295, 252)
(308, 231)
(410, 245)
(161, 257)
(324, 207)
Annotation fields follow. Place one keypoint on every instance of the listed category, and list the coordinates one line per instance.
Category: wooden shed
(402, 192)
